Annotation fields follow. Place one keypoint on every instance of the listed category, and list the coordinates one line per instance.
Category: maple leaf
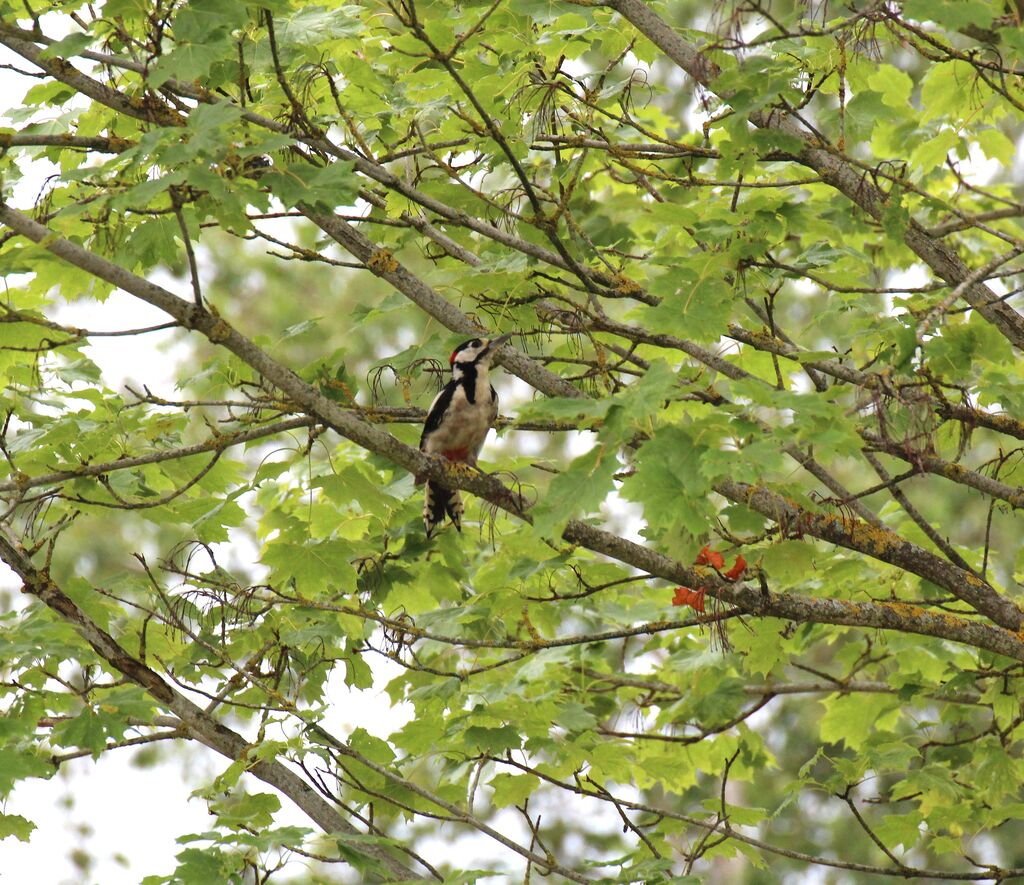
(692, 598)
(738, 568)
(707, 556)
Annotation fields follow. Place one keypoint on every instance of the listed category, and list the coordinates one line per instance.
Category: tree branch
(198, 724)
(833, 168)
(853, 534)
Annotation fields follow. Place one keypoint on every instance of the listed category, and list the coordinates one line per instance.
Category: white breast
(466, 425)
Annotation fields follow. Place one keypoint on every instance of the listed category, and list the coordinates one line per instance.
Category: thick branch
(901, 617)
(879, 543)
(79, 142)
(147, 109)
(850, 533)
(1014, 496)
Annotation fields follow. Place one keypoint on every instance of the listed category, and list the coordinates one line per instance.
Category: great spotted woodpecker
(457, 423)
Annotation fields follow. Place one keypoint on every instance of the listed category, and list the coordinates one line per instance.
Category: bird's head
(477, 352)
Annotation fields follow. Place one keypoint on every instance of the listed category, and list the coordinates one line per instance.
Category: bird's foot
(464, 468)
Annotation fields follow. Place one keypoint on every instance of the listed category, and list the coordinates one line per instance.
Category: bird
(457, 423)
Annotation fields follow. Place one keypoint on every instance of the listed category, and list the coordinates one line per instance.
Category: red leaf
(707, 556)
(692, 598)
(738, 568)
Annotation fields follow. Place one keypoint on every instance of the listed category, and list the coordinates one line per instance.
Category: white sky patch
(152, 359)
(912, 278)
(978, 169)
(131, 817)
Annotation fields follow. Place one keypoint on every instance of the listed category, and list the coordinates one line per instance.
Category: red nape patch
(457, 454)
(451, 359)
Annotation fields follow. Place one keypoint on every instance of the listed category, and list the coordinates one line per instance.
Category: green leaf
(586, 412)
(17, 764)
(202, 19)
(852, 719)
(764, 647)
(634, 409)
(512, 789)
(579, 489)
(997, 772)
(248, 809)
(68, 46)
(790, 561)
(207, 124)
(897, 830)
(373, 748)
(669, 483)
(996, 145)
(312, 24)
(188, 62)
(894, 85)
(86, 730)
(202, 866)
(492, 740)
(696, 301)
(312, 565)
(574, 716)
(953, 14)
(323, 187)
(933, 152)
(943, 92)
(16, 825)
(746, 817)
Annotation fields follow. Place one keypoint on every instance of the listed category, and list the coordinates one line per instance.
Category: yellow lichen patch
(1005, 424)
(119, 144)
(977, 584)
(382, 261)
(869, 538)
(747, 492)
(706, 574)
(974, 583)
(224, 440)
(341, 387)
(459, 468)
(626, 287)
(63, 66)
(906, 610)
(528, 624)
(950, 620)
(220, 332)
(762, 337)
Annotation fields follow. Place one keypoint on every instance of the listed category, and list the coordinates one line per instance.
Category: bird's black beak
(495, 343)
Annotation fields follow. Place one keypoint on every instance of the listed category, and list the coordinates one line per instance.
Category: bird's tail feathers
(439, 502)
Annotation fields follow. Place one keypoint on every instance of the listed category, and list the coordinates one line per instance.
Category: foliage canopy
(764, 267)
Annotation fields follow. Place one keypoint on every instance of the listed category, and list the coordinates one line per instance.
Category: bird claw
(464, 468)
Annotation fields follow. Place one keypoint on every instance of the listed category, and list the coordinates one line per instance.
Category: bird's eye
(475, 342)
